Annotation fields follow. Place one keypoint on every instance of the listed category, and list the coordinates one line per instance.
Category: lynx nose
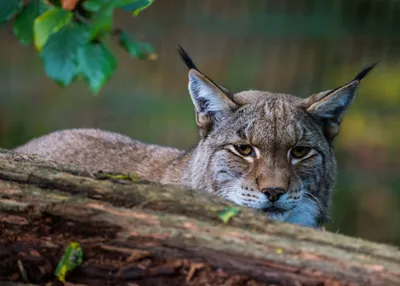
(273, 194)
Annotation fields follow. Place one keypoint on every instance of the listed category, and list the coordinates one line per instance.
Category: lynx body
(263, 150)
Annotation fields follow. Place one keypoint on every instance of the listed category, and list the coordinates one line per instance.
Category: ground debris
(32, 257)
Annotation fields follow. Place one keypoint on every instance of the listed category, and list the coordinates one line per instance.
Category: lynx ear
(330, 106)
(212, 102)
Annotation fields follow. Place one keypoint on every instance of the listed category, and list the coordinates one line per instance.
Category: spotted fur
(271, 124)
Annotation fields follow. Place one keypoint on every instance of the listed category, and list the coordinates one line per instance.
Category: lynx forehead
(267, 151)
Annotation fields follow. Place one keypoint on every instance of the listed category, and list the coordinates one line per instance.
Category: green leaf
(49, 23)
(135, 6)
(140, 50)
(97, 5)
(97, 64)
(23, 24)
(9, 8)
(102, 21)
(71, 259)
(59, 53)
(94, 5)
(227, 213)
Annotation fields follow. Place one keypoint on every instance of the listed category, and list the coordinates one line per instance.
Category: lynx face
(269, 154)
(268, 151)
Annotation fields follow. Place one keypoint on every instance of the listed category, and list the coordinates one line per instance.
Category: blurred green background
(298, 47)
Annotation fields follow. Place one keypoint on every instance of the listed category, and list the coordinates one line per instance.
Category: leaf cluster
(69, 36)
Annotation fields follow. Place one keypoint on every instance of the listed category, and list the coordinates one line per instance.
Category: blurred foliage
(69, 34)
(71, 259)
(227, 213)
(290, 46)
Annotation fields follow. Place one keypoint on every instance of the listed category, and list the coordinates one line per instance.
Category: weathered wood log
(156, 235)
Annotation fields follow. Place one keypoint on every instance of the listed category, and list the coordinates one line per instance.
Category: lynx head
(268, 151)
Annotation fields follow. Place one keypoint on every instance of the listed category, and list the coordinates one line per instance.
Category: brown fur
(271, 179)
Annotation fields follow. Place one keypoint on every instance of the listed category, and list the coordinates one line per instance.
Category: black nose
(273, 194)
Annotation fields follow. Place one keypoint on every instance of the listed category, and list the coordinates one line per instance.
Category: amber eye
(300, 152)
(245, 150)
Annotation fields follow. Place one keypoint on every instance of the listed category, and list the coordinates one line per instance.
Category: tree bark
(144, 233)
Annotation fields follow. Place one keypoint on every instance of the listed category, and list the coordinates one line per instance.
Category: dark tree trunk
(137, 232)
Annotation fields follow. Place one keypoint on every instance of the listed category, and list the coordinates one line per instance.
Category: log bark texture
(139, 233)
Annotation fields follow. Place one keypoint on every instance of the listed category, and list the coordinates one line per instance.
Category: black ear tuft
(364, 71)
(190, 64)
(186, 58)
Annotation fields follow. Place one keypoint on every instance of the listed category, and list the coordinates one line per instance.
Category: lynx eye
(300, 152)
(245, 150)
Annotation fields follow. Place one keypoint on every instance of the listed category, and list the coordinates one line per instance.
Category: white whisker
(315, 201)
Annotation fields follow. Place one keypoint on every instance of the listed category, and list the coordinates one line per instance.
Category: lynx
(268, 151)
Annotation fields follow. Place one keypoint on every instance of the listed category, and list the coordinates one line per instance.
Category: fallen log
(139, 233)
